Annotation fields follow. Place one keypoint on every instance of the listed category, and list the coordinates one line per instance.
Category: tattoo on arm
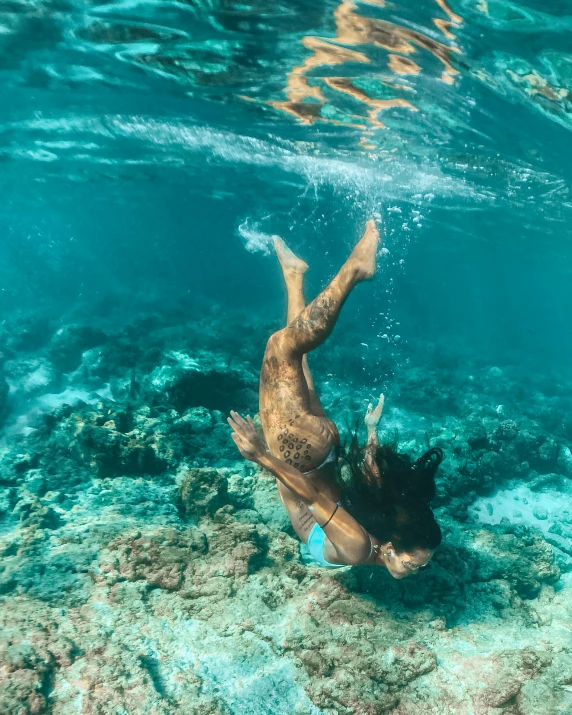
(305, 518)
(306, 521)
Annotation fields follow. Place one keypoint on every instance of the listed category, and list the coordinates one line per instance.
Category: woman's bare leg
(292, 431)
(293, 270)
(316, 322)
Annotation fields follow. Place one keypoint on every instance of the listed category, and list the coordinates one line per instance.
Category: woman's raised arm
(372, 419)
(350, 540)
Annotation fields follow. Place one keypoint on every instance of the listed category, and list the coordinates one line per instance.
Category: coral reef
(146, 568)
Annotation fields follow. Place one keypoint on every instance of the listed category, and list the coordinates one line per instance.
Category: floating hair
(396, 506)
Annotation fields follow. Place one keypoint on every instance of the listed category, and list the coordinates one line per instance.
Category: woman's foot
(291, 264)
(362, 258)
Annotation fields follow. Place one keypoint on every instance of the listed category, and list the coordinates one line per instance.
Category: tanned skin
(298, 432)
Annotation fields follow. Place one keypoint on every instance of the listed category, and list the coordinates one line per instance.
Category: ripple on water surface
(340, 87)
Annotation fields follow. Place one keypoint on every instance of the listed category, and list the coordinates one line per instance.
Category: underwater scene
(231, 484)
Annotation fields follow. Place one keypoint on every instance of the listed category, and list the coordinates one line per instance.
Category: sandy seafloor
(147, 569)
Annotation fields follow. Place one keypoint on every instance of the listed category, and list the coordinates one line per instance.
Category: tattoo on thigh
(270, 374)
(271, 420)
(276, 374)
(293, 449)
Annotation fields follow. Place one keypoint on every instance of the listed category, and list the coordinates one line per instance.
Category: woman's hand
(373, 417)
(246, 437)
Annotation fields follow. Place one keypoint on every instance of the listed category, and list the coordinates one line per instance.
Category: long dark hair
(395, 506)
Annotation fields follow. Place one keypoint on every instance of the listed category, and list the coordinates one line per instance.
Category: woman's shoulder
(356, 549)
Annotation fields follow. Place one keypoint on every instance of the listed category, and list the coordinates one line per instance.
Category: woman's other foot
(291, 264)
(363, 257)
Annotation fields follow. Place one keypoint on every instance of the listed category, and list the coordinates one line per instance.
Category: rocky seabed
(146, 569)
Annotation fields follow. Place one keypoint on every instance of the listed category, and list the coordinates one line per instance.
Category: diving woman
(381, 515)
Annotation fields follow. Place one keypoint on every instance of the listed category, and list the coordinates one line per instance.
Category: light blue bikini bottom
(332, 456)
(312, 551)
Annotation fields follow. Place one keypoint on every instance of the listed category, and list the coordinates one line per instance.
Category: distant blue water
(136, 138)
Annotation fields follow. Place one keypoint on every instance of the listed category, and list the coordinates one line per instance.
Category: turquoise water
(109, 105)
(148, 152)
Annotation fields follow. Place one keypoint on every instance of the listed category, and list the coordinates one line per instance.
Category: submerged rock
(31, 377)
(70, 342)
(507, 430)
(565, 461)
(201, 380)
(203, 492)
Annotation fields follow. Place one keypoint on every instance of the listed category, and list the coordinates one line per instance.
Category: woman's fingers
(237, 418)
(243, 434)
(239, 424)
(236, 422)
(241, 439)
(232, 424)
(243, 426)
(242, 444)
